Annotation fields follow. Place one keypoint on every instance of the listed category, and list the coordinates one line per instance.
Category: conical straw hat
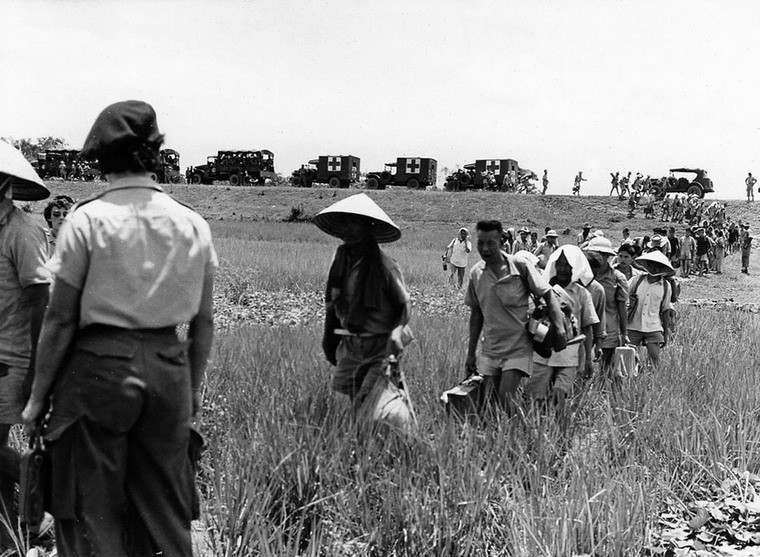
(656, 257)
(27, 185)
(330, 220)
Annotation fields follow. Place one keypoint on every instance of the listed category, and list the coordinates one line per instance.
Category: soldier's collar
(132, 182)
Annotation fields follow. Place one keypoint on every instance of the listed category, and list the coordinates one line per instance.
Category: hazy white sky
(563, 85)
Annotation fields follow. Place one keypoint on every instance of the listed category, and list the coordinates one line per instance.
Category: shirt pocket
(511, 292)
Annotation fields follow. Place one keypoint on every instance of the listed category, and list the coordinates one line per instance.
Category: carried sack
(34, 483)
(389, 403)
(466, 398)
(544, 336)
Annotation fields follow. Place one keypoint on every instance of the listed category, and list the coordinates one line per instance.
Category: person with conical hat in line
(650, 322)
(599, 252)
(23, 297)
(367, 305)
(131, 264)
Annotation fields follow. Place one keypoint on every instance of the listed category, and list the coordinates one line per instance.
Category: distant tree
(30, 147)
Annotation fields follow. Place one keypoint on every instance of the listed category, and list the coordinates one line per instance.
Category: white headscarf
(523, 254)
(581, 269)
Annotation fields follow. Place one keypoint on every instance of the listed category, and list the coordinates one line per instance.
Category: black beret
(123, 125)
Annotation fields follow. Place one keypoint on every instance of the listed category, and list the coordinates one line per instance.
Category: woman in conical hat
(18, 174)
(23, 297)
(367, 304)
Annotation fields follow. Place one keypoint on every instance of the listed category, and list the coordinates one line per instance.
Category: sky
(597, 86)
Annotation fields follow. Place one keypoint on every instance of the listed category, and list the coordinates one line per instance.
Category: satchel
(544, 336)
(34, 482)
(388, 402)
(465, 400)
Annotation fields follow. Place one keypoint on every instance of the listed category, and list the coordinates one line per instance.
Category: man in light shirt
(651, 293)
(457, 253)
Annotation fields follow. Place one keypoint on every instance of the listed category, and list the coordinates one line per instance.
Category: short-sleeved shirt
(23, 252)
(703, 245)
(520, 245)
(582, 308)
(139, 257)
(615, 290)
(632, 271)
(504, 304)
(688, 245)
(596, 291)
(654, 299)
(459, 251)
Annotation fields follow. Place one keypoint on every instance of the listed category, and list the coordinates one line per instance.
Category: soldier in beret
(130, 265)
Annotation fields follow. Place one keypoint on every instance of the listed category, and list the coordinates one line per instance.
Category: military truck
(691, 181)
(168, 171)
(337, 171)
(487, 174)
(412, 172)
(75, 167)
(236, 167)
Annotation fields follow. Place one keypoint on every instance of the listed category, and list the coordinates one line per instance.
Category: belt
(347, 333)
(98, 328)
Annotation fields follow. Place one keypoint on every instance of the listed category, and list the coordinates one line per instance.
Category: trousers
(122, 479)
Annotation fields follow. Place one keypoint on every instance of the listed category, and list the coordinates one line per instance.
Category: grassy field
(286, 473)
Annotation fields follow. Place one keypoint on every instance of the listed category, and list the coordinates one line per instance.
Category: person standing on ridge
(750, 181)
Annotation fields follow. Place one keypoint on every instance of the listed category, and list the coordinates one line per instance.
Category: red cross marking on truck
(493, 166)
(412, 166)
(333, 164)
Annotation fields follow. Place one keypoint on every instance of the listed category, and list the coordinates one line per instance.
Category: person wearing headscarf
(23, 296)
(456, 255)
(650, 322)
(567, 270)
(367, 306)
(131, 265)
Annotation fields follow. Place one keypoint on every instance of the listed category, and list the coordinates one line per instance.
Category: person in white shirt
(650, 305)
(457, 253)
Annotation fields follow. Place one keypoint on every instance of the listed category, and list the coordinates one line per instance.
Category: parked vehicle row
(68, 164)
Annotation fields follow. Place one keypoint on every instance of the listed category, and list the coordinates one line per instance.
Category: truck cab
(412, 172)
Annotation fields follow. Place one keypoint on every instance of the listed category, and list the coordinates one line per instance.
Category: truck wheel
(234, 180)
(657, 191)
(413, 183)
(465, 178)
(373, 183)
(386, 176)
(196, 179)
(334, 182)
(695, 189)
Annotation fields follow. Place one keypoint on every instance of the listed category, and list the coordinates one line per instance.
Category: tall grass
(286, 473)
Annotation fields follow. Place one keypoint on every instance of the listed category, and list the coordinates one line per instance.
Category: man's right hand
(471, 366)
